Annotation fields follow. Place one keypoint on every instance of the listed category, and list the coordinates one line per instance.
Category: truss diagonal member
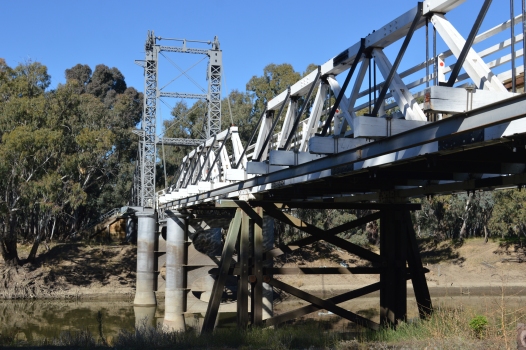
(403, 97)
(180, 173)
(237, 148)
(394, 68)
(303, 108)
(340, 126)
(469, 43)
(311, 126)
(264, 146)
(218, 154)
(205, 160)
(224, 265)
(292, 110)
(474, 65)
(252, 136)
(324, 304)
(336, 105)
(320, 234)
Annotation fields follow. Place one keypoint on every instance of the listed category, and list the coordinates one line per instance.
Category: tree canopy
(66, 153)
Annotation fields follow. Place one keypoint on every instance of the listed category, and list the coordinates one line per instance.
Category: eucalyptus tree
(66, 154)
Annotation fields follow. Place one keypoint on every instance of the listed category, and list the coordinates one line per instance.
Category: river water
(34, 320)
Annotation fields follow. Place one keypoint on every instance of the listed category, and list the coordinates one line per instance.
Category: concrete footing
(146, 231)
(144, 316)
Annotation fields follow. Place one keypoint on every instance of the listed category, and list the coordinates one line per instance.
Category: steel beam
(183, 95)
(171, 141)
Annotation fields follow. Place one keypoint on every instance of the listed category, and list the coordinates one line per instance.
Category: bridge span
(357, 133)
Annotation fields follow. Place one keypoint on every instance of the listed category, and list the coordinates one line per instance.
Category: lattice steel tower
(146, 188)
(148, 123)
(214, 89)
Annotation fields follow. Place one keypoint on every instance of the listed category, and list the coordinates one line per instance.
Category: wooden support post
(224, 266)
(242, 281)
(418, 277)
(257, 273)
(393, 253)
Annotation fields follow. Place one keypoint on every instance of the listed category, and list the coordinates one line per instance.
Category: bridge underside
(469, 134)
(482, 157)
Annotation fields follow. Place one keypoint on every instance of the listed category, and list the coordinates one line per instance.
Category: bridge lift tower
(144, 184)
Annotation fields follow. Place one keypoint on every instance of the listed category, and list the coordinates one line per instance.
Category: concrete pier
(146, 231)
(176, 257)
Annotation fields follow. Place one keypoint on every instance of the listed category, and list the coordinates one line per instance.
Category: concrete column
(176, 257)
(268, 244)
(147, 223)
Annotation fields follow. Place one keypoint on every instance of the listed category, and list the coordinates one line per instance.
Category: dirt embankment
(72, 271)
(453, 267)
(83, 271)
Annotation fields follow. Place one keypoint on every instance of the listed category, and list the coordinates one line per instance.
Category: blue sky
(253, 34)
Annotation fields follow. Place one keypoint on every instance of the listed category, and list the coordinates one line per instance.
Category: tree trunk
(462, 234)
(34, 249)
(486, 235)
(53, 229)
(8, 247)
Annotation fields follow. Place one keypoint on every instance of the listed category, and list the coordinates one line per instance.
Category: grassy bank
(448, 328)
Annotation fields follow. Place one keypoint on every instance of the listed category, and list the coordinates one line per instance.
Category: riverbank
(455, 268)
(72, 271)
(81, 271)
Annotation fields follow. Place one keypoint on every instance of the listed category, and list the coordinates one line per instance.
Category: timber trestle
(398, 261)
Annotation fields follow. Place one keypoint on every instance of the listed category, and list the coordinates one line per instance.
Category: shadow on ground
(81, 264)
(432, 251)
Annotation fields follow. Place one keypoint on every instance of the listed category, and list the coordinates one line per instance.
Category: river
(35, 320)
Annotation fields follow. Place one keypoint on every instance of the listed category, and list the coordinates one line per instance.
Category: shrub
(478, 324)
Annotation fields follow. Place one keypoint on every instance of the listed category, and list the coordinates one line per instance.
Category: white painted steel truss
(407, 124)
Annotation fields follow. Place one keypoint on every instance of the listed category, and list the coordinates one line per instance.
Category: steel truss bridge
(430, 129)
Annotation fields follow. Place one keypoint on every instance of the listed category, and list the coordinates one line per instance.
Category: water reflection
(36, 320)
